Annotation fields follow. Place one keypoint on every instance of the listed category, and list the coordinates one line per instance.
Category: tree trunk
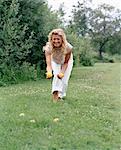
(100, 54)
(101, 50)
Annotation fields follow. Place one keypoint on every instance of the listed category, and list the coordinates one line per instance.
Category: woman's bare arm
(65, 65)
(48, 62)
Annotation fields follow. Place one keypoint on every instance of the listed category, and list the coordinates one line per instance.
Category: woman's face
(56, 40)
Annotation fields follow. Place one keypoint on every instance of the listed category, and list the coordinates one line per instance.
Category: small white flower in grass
(21, 114)
(55, 119)
(32, 121)
(77, 112)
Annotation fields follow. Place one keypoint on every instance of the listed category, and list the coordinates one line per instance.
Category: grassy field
(88, 119)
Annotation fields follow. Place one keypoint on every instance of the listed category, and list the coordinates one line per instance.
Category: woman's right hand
(49, 75)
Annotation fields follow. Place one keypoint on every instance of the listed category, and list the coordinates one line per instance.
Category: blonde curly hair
(61, 33)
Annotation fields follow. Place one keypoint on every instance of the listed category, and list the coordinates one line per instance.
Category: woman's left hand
(60, 75)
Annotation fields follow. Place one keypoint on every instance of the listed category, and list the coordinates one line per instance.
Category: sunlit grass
(88, 119)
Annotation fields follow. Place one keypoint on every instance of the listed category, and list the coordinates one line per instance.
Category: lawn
(88, 119)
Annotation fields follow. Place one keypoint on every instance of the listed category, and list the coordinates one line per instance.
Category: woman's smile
(56, 40)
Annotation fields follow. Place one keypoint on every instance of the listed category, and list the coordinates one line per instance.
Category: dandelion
(55, 119)
(32, 121)
(21, 114)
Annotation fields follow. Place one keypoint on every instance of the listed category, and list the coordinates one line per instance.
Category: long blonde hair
(61, 33)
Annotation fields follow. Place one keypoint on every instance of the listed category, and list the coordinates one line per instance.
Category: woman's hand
(49, 75)
(60, 75)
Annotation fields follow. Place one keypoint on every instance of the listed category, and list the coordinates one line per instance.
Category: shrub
(17, 74)
(108, 58)
(117, 57)
(86, 59)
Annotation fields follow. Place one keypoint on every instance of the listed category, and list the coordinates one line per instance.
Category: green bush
(117, 57)
(17, 74)
(106, 58)
(25, 72)
(86, 59)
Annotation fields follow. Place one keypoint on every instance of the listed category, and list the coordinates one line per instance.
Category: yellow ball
(61, 75)
(48, 75)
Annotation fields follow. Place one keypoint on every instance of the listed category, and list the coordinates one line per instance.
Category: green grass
(89, 117)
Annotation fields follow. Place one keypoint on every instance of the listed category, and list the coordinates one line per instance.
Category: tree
(14, 44)
(79, 20)
(40, 20)
(23, 32)
(82, 48)
(61, 15)
(113, 46)
(103, 25)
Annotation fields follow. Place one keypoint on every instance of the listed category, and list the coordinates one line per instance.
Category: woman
(59, 60)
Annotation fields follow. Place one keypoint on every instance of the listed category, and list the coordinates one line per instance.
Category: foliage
(15, 44)
(117, 58)
(61, 14)
(23, 32)
(40, 20)
(108, 58)
(103, 26)
(82, 49)
(74, 40)
(85, 59)
(16, 74)
(86, 53)
(78, 22)
(113, 47)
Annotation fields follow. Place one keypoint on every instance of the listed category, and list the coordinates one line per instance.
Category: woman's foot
(60, 99)
(61, 95)
(55, 96)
